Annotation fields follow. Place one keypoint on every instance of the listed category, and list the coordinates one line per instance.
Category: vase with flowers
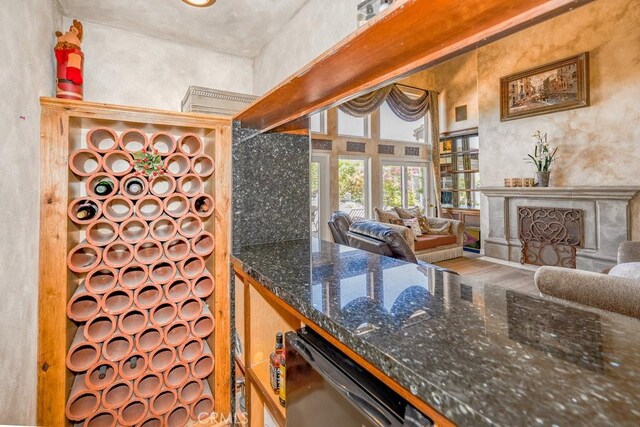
(542, 158)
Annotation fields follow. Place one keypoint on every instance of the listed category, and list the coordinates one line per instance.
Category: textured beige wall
(457, 82)
(126, 68)
(315, 28)
(26, 40)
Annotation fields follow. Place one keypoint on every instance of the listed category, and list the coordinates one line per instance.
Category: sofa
(444, 241)
(617, 291)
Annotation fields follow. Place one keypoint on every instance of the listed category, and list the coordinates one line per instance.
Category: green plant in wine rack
(148, 163)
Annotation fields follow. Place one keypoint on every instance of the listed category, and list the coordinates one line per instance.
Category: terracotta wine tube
(149, 384)
(95, 179)
(191, 349)
(117, 254)
(189, 225)
(117, 163)
(117, 394)
(190, 185)
(202, 367)
(177, 248)
(117, 300)
(82, 402)
(190, 144)
(117, 347)
(202, 165)
(83, 305)
(117, 208)
(102, 140)
(132, 140)
(87, 162)
(133, 366)
(177, 375)
(163, 402)
(147, 296)
(163, 142)
(102, 374)
(124, 184)
(176, 333)
(163, 313)
(203, 244)
(163, 228)
(84, 258)
(190, 308)
(133, 412)
(102, 232)
(100, 328)
(177, 164)
(162, 358)
(191, 267)
(204, 405)
(133, 276)
(152, 421)
(133, 230)
(102, 418)
(148, 251)
(178, 289)
(190, 391)
(162, 185)
(176, 205)
(203, 285)
(133, 321)
(202, 205)
(178, 416)
(204, 325)
(162, 271)
(149, 208)
(73, 208)
(82, 354)
(149, 339)
(101, 279)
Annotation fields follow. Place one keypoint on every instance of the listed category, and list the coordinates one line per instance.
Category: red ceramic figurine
(69, 59)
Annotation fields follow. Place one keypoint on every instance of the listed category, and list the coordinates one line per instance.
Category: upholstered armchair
(617, 291)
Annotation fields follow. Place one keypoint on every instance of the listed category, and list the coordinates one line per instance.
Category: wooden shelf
(459, 171)
(259, 377)
(459, 153)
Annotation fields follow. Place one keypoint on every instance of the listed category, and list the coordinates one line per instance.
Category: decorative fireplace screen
(550, 236)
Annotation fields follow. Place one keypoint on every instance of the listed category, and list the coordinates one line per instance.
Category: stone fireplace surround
(607, 220)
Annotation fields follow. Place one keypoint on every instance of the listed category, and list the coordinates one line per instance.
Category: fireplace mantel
(606, 213)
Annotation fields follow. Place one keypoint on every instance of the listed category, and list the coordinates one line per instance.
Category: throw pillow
(439, 226)
(629, 270)
(415, 227)
(424, 224)
(398, 221)
(386, 216)
(408, 213)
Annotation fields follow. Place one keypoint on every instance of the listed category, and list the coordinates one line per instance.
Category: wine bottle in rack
(103, 187)
(202, 205)
(134, 186)
(86, 210)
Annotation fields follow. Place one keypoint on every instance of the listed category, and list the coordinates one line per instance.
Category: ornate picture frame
(557, 86)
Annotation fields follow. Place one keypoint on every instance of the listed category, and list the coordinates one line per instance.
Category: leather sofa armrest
(598, 290)
(628, 252)
(406, 233)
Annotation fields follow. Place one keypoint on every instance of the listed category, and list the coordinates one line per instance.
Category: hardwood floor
(478, 268)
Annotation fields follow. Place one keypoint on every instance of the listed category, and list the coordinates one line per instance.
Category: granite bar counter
(479, 354)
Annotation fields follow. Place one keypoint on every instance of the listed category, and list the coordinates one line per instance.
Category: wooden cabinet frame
(55, 330)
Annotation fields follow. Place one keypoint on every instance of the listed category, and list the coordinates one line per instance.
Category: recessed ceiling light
(199, 3)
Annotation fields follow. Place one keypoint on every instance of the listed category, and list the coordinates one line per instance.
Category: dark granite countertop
(480, 354)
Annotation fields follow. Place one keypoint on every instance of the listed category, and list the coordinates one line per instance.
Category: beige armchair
(617, 291)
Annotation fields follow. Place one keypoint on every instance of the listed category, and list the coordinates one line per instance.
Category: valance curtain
(409, 109)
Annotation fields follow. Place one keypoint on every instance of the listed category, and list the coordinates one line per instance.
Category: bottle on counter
(103, 187)
(86, 210)
(283, 380)
(274, 363)
(134, 186)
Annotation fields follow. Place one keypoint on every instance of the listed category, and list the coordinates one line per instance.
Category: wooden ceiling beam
(409, 36)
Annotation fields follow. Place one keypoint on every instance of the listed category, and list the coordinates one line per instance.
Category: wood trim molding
(410, 36)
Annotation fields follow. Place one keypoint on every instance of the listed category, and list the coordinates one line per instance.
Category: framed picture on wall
(558, 86)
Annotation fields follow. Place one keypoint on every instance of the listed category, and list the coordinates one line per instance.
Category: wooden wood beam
(407, 37)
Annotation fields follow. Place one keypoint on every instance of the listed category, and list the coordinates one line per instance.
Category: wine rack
(134, 276)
